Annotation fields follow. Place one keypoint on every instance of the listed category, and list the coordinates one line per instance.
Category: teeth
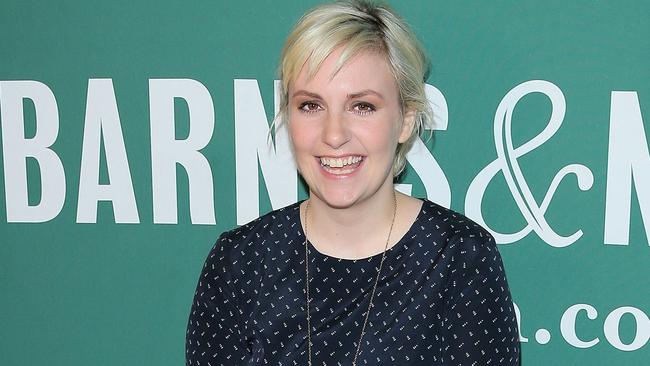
(340, 162)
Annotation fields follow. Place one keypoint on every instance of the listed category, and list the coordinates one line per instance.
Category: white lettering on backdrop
(422, 161)
(507, 164)
(628, 163)
(253, 145)
(17, 148)
(167, 151)
(103, 122)
(610, 327)
(568, 325)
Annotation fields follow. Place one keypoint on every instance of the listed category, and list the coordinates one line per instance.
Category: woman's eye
(363, 108)
(309, 107)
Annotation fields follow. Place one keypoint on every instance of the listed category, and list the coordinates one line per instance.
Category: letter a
(103, 120)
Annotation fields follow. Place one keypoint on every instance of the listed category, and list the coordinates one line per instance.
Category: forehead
(337, 73)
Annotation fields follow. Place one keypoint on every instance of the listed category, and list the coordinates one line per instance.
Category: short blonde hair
(359, 26)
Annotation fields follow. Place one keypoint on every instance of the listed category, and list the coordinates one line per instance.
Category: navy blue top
(442, 298)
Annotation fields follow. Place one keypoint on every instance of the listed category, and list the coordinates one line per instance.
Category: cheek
(301, 137)
(383, 139)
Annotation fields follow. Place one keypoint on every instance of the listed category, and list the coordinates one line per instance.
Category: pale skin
(351, 117)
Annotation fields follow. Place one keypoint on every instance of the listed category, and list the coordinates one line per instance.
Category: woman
(391, 279)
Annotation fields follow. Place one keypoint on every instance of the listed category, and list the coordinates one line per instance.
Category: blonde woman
(357, 274)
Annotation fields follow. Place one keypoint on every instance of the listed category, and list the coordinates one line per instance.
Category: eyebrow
(358, 94)
(306, 93)
(363, 93)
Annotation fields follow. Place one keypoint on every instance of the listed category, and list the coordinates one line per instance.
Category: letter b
(16, 148)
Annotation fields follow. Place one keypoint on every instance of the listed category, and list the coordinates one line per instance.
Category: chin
(339, 199)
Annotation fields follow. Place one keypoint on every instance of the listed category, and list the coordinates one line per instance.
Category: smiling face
(345, 127)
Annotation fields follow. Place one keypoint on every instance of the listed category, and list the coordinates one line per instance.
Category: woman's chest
(402, 327)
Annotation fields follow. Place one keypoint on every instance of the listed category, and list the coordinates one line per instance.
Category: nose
(335, 131)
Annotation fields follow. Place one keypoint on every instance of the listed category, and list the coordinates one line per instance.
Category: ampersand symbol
(507, 163)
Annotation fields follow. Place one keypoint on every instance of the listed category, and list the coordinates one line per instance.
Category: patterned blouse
(442, 298)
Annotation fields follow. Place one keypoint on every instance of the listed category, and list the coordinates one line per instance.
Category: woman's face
(345, 128)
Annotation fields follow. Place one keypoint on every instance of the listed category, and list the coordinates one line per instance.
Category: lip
(340, 156)
(328, 174)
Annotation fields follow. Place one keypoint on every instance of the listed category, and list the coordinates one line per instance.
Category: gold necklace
(372, 294)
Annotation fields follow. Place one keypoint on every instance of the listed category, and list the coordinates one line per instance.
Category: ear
(408, 124)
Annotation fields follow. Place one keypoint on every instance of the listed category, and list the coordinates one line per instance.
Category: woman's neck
(355, 232)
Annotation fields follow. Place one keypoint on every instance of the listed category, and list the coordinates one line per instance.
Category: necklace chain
(372, 294)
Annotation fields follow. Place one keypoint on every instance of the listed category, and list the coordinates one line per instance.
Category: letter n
(253, 146)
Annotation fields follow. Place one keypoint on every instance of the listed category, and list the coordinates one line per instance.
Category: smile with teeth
(343, 165)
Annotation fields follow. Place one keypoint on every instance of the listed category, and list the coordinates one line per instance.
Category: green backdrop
(116, 290)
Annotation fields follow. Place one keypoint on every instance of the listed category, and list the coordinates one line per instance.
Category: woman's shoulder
(451, 225)
(282, 222)
(468, 249)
